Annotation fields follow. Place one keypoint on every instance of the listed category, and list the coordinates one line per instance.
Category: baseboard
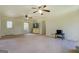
(12, 36)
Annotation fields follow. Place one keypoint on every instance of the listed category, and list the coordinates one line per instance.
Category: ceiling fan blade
(46, 10)
(35, 11)
(44, 6)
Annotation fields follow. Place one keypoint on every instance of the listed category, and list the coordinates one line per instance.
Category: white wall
(68, 22)
(18, 26)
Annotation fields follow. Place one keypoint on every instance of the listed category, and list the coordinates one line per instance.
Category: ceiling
(21, 10)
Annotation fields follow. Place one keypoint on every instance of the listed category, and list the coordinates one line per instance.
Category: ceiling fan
(40, 9)
(28, 17)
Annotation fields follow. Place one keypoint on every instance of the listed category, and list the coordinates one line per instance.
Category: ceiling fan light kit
(40, 9)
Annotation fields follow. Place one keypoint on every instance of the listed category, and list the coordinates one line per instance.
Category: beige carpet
(33, 43)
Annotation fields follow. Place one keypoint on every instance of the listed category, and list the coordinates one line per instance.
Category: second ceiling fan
(40, 9)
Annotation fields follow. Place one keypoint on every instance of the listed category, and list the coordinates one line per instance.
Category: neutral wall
(68, 22)
(18, 26)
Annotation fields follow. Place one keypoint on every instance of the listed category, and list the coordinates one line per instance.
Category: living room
(18, 28)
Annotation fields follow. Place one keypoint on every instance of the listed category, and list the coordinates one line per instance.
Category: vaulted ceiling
(21, 10)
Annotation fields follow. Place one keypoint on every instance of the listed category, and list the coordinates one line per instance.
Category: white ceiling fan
(40, 9)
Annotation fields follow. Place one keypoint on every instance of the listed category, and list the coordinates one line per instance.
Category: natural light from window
(9, 24)
(26, 26)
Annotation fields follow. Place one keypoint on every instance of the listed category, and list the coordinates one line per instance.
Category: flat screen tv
(36, 25)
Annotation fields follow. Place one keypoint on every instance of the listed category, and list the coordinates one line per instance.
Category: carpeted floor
(31, 43)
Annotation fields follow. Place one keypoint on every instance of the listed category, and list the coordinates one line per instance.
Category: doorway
(43, 26)
(26, 27)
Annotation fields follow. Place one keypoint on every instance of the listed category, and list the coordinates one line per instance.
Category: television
(59, 31)
(36, 25)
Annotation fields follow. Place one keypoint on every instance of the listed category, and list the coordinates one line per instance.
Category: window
(26, 26)
(9, 24)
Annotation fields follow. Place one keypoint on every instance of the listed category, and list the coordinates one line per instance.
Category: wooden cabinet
(36, 30)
